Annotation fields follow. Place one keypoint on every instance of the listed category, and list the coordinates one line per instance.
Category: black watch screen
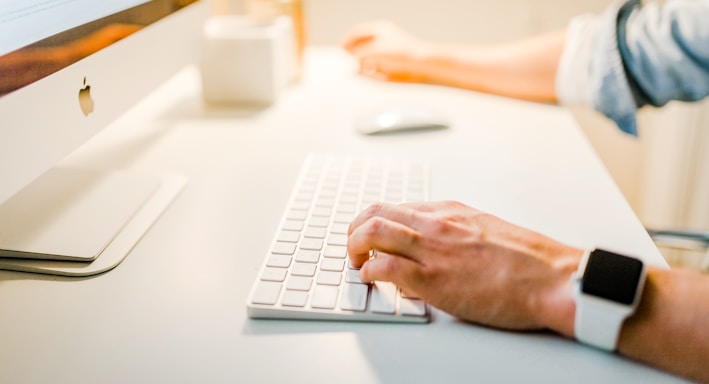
(612, 276)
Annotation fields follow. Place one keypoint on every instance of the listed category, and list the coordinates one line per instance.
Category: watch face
(612, 276)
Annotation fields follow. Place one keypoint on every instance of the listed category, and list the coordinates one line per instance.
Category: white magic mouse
(400, 118)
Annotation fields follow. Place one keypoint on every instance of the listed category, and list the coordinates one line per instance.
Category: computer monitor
(50, 51)
(67, 70)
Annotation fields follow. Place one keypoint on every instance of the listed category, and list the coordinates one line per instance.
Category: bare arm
(671, 328)
(485, 270)
(524, 69)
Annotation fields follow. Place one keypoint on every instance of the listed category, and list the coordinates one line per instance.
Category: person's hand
(387, 52)
(468, 263)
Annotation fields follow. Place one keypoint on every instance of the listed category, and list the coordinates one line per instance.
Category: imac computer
(67, 70)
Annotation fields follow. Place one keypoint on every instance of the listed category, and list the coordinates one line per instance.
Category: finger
(360, 35)
(368, 67)
(397, 213)
(382, 235)
(363, 32)
(352, 43)
(403, 272)
(378, 67)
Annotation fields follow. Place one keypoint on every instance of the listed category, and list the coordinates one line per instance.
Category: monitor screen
(68, 68)
(39, 37)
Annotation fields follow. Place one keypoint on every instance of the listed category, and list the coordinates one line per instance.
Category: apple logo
(85, 100)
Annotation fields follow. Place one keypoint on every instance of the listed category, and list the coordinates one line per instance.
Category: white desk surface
(174, 310)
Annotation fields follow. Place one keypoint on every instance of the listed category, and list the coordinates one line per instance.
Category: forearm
(525, 69)
(670, 330)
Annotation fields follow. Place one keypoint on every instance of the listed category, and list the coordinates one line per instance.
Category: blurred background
(664, 173)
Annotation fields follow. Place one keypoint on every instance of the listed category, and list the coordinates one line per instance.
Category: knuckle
(374, 226)
(376, 208)
(415, 238)
(373, 210)
(439, 224)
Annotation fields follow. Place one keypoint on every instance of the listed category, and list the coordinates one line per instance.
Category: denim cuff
(591, 71)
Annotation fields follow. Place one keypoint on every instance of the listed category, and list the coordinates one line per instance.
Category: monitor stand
(77, 222)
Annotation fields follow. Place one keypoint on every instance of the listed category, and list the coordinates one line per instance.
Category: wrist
(425, 61)
(557, 304)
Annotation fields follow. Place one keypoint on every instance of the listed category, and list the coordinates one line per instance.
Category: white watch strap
(598, 322)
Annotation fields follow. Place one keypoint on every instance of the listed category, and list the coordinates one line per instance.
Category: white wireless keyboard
(307, 274)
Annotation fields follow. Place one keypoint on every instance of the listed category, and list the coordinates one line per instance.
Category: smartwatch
(607, 289)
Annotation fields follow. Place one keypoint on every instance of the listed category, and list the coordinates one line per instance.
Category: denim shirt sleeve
(639, 55)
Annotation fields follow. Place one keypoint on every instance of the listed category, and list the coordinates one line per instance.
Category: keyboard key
(294, 298)
(324, 297)
(339, 228)
(321, 222)
(322, 212)
(274, 274)
(354, 297)
(335, 251)
(343, 218)
(303, 269)
(329, 278)
(328, 192)
(335, 239)
(301, 205)
(349, 199)
(315, 232)
(266, 293)
(411, 307)
(337, 265)
(281, 248)
(288, 236)
(293, 225)
(297, 215)
(383, 297)
(299, 283)
(307, 188)
(311, 244)
(306, 256)
(352, 276)
(325, 202)
(305, 196)
(348, 207)
(415, 197)
(279, 261)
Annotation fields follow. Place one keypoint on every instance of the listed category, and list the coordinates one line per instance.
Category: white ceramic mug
(245, 60)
